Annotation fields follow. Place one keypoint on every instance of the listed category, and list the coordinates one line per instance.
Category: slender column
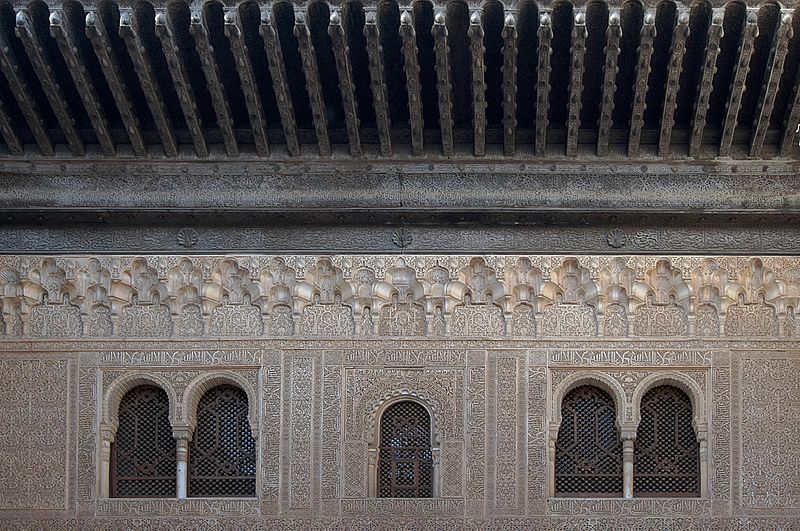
(543, 83)
(9, 135)
(769, 89)
(106, 438)
(643, 68)
(180, 78)
(202, 42)
(22, 93)
(702, 438)
(436, 483)
(627, 466)
(372, 471)
(244, 67)
(380, 98)
(577, 67)
(69, 51)
(674, 69)
(715, 33)
(444, 87)
(413, 87)
(44, 71)
(341, 54)
(477, 52)
(277, 70)
(610, 69)
(182, 439)
(96, 32)
(147, 79)
(313, 84)
(510, 85)
(551, 461)
(749, 34)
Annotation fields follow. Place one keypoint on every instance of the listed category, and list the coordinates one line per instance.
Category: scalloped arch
(200, 385)
(120, 387)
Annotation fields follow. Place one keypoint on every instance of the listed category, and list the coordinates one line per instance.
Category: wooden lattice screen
(143, 451)
(405, 466)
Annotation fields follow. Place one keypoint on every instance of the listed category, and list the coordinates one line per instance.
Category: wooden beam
(477, 53)
(313, 84)
(341, 54)
(791, 127)
(83, 82)
(180, 79)
(22, 93)
(96, 32)
(444, 88)
(277, 70)
(543, 83)
(34, 48)
(610, 70)
(202, 43)
(147, 79)
(715, 34)
(9, 134)
(247, 77)
(413, 86)
(510, 85)
(380, 97)
(674, 69)
(749, 34)
(772, 81)
(577, 68)
(643, 67)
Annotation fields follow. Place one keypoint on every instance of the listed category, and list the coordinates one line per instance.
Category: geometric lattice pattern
(143, 451)
(222, 456)
(405, 466)
(588, 448)
(666, 451)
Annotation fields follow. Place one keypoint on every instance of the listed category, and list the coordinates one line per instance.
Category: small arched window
(143, 451)
(222, 456)
(588, 448)
(666, 451)
(405, 464)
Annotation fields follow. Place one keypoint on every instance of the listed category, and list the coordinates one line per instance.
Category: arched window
(222, 456)
(143, 451)
(588, 448)
(405, 464)
(666, 451)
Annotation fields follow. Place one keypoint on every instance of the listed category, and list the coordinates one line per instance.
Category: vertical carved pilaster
(510, 85)
(341, 54)
(277, 70)
(252, 98)
(443, 85)
(7, 130)
(96, 32)
(180, 79)
(610, 69)
(674, 68)
(477, 52)
(69, 51)
(23, 94)
(34, 48)
(643, 67)
(202, 43)
(147, 79)
(543, 83)
(772, 81)
(413, 87)
(380, 97)
(313, 84)
(749, 34)
(577, 67)
(715, 33)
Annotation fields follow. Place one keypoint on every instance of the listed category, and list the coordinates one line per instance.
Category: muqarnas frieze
(384, 296)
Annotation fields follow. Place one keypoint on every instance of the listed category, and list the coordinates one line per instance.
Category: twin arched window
(589, 457)
(222, 454)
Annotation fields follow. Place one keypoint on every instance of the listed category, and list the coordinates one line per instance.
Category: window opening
(405, 465)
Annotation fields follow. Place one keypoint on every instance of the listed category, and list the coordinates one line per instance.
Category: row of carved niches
(343, 295)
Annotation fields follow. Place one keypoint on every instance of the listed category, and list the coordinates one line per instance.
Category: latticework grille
(588, 449)
(222, 457)
(143, 452)
(666, 451)
(405, 466)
